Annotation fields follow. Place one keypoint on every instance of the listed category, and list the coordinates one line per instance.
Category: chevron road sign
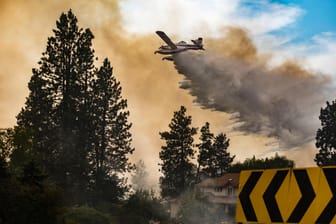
(306, 195)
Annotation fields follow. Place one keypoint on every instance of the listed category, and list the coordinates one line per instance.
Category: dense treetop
(326, 136)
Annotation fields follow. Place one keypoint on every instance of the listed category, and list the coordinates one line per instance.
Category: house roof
(223, 181)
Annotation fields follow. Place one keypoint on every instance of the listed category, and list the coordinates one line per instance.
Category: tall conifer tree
(56, 109)
(75, 121)
(204, 147)
(213, 159)
(223, 157)
(176, 155)
(111, 137)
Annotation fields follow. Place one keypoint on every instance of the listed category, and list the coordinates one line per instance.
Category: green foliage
(213, 159)
(205, 149)
(223, 158)
(111, 189)
(28, 199)
(22, 151)
(176, 155)
(55, 113)
(110, 136)
(267, 163)
(142, 207)
(75, 121)
(326, 136)
(84, 215)
(32, 175)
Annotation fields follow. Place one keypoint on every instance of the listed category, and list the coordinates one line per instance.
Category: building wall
(220, 191)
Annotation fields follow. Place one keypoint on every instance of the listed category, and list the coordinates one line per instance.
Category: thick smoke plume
(281, 102)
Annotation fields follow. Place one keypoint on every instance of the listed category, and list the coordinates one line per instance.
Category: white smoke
(282, 102)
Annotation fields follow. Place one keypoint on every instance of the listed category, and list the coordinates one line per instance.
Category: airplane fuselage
(167, 50)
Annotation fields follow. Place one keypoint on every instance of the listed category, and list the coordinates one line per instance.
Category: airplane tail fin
(198, 42)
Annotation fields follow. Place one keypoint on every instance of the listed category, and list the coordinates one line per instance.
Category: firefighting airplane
(172, 48)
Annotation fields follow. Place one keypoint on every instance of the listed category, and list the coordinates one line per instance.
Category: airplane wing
(166, 39)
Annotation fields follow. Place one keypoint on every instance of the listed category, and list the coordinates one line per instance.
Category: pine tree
(69, 60)
(176, 155)
(326, 136)
(205, 147)
(56, 111)
(32, 174)
(223, 158)
(75, 121)
(111, 137)
(28, 197)
(35, 122)
(213, 158)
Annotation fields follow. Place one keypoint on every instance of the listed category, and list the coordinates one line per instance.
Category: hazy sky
(302, 31)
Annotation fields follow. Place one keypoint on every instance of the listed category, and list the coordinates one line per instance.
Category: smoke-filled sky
(267, 70)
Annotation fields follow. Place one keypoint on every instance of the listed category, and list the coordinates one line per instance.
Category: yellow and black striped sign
(306, 195)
